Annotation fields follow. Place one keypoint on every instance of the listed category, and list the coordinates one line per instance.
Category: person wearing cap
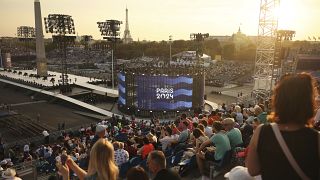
(100, 133)
(233, 134)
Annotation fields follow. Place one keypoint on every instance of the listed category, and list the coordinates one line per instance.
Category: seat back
(226, 159)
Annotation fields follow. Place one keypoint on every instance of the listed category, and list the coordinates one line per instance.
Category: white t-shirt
(208, 131)
(167, 140)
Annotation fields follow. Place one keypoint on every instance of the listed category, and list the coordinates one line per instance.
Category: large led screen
(164, 92)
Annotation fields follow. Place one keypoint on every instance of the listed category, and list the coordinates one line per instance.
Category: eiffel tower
(127, 36)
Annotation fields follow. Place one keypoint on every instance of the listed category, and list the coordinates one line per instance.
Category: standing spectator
(157, 165)
(293, 108)
(101, 164)
(233, 134)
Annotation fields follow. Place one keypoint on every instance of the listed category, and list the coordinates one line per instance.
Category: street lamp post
(170, 42)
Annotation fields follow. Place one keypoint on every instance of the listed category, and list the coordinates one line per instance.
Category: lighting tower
(110, 30)
(26, 34)
(278, 69)
(126, 35)
(199, 38)
(61, 26)
(265, 53)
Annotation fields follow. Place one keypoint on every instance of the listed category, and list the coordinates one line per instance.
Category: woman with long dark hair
(293, 110)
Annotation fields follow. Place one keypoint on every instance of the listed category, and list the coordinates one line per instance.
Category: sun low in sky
(157, 19)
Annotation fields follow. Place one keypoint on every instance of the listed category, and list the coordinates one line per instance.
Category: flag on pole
(315, 39)
(309, 38)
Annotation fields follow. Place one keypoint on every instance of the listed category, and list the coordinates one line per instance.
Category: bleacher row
(20, 127)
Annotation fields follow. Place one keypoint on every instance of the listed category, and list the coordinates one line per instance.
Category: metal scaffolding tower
(265, 53)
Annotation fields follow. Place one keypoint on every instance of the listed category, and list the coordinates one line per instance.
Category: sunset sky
(157, 19)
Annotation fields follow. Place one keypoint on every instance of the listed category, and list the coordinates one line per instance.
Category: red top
(146, 149)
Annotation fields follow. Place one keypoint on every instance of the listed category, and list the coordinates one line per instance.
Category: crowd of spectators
(127, 147)
(223, 72)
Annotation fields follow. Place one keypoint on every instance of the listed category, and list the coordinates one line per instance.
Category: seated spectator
(293, 109)
(233, 134)
(101, 164)
(200, 137)
(175, 130)
(146, 148)
(120, 155)
(137, 173)
(260, 114)
(221, 143)
(213, 117)
(132, 150)
(239, 115)
(157, 165)
(201, 127)
(166, 137)
(184, 135)
(207, 129)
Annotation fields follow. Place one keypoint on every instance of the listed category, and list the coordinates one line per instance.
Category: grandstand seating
(21, 127)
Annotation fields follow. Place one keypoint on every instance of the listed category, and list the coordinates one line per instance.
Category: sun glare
(286, 14)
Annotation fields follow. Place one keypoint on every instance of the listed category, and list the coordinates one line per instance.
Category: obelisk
(40, 50)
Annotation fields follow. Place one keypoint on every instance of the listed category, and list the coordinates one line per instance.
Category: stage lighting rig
(61, 27)
(25, 33)
(110, 30)
(199, 38)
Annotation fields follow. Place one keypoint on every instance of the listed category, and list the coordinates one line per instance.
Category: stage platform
(77, 80)
(63, 97)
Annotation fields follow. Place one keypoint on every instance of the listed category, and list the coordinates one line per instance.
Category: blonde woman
(101, 164)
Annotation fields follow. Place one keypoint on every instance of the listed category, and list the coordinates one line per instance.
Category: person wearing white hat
(10, 174)
(100, 133)
(240, 173)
